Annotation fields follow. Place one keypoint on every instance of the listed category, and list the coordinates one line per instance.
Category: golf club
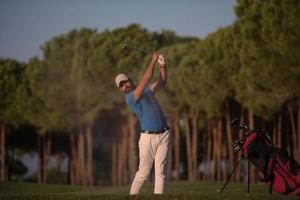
(125, 45)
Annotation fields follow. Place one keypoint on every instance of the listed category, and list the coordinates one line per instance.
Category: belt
(156, 132)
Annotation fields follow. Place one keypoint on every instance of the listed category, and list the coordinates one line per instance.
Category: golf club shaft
(141, 50)
(129, 46)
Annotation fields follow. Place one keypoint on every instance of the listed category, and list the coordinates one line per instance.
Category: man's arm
(157, 85)
(146, 77)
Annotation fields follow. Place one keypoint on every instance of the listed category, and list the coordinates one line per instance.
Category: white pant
(152, 147)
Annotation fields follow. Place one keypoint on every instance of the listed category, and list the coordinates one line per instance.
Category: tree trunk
(124, 154)
(229, 134)
(177, 146)
(73, 177)
(277, 131)
(215, 159)
(119, 162)
(46, 151)
(224, 148)
(208, 160)
(40, 171)
(223, 160)
(3, 154)
(298, 129)
(194, 142)
(251, 119)
(114, 163)
(239, 154)
(81, 159)
(132, 151)
(188, 147)
(219, 149)
(275, 134)
(122, 170)
(294, 134)
(89, 156)
(251, 126)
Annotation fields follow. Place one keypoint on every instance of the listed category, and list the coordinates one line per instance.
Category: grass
(176, 191)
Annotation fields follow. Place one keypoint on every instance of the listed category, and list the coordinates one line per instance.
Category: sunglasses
(122, 83)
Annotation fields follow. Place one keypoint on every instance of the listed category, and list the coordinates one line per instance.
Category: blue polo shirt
(148, 110)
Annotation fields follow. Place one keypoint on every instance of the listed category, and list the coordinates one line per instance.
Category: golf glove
(161, 60)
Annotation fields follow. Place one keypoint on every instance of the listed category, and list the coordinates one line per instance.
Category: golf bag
(273, 165)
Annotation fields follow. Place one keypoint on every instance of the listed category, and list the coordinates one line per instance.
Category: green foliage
(219, 64)
(11, 73)
(255, 61)
(175, 95)
(74, 81)
(270, 34)
(17, 167)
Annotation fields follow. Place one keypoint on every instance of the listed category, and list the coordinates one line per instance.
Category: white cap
(120, 78)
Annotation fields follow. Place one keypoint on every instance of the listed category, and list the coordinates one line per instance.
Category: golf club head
(237, 145)
(124, 45)
(235, 122)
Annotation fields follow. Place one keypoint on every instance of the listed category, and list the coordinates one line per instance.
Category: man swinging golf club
(155, 135)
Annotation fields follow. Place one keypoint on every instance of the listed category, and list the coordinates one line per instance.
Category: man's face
(126, 86)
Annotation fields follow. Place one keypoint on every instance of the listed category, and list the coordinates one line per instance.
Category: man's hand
(162, 79)
(161, 60)
(155, 56)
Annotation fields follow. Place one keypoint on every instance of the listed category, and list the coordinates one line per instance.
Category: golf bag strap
(267, 173)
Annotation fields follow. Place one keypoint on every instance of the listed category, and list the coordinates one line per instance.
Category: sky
(27, 24)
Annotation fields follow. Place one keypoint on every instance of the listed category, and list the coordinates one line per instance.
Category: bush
(55, 176)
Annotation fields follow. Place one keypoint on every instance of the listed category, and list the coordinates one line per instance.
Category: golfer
(155, 135)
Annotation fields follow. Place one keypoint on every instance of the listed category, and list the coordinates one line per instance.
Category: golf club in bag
(273, 165)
